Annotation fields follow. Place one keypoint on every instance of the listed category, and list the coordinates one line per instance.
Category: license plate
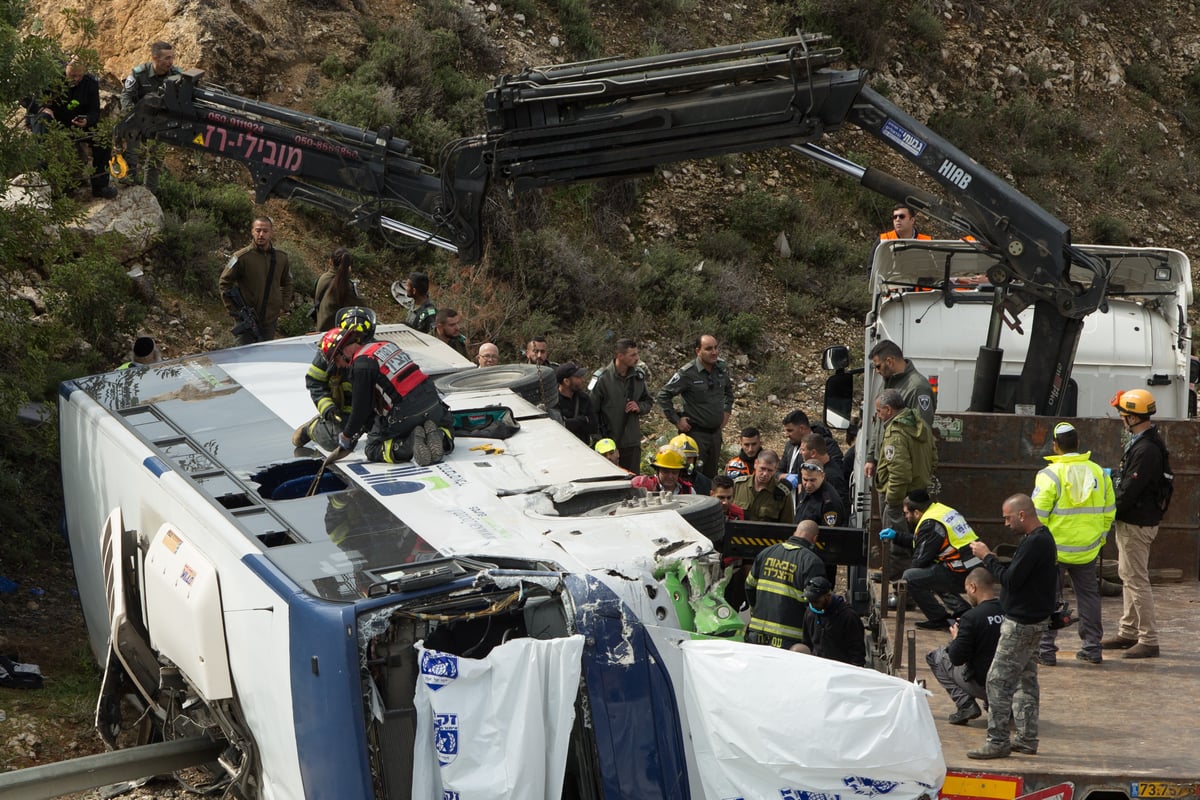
(1151, 789)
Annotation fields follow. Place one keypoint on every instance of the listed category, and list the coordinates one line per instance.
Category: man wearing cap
(1074, 498)
(620, 396)
(706, 389)
(763, 495)
(817, 500)
(832, 629)
(573, 402)
(1143, 494)
(775, 588)
(941, 557)
(608, 449)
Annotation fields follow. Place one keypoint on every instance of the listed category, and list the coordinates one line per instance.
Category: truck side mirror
(839, 399)
(836, 357)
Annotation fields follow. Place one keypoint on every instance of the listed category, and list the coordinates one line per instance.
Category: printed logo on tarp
(869, 786)
(445, 738)
(450, 795)
(801, 794)
(438, 668)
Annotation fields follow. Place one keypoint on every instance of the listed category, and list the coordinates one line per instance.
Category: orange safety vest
(892, 235)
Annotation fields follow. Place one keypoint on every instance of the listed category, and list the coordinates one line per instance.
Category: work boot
(991, 750)
(1090, 658)
(433, 438)
(301, 435)
(1046, 659)
(420, 447)
(1140, 650)
(934, 624)
(1117, 643)
(965, 714)
(1027, 749)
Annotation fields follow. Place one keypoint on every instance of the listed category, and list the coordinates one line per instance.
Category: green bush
(576, 19)
(725, 245)
(670, 281)
(93, 295)
(743, 330)
(925, 25)
(1148, 77)
(758, 216)
(226, 206)
(1107, 229)
(188, 252)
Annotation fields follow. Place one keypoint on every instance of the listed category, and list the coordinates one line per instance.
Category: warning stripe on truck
(981, 786)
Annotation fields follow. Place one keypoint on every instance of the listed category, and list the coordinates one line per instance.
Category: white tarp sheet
(497, 726)
(773, 723)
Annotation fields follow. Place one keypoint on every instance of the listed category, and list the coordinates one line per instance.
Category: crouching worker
(393, 402)
(328, 386)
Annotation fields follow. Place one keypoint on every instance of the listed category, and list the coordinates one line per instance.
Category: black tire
(529, 381)
(701, 512)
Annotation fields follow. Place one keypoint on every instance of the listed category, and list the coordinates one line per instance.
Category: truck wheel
(531, 382)
(702, 512)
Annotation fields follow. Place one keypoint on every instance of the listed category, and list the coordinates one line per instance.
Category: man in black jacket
(573, 402)
(817, 500)
(1030, 582)
(832, 628)
(1143, 491)
(961, 667)
(77, 108)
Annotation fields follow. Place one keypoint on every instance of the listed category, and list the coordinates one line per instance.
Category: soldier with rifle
(256, 286)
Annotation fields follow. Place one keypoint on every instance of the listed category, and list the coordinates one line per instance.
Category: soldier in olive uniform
(707, 393)
(763, 496)
(264, 277)
(146, 79)
(620, 396)
(906, 459)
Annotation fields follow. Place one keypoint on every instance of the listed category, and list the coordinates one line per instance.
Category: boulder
(134, 213)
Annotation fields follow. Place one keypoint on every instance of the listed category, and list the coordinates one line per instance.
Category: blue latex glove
(346, 443)
(792, 481)
(887, 534)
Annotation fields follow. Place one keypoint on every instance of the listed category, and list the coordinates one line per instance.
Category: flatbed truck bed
(1106, 728)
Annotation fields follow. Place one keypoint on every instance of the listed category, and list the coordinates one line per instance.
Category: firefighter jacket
(918, 395)
(942, 532)
(1076, 501)
(1143, 475)
(741, 464)
(707, 396)
(610, 392)
(267, 292)
(906, 457)
(328, 388)
(775, 591)
(772, 504)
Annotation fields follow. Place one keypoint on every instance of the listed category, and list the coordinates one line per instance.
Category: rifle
(244, 317)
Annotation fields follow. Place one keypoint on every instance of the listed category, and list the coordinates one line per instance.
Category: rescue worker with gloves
(940, 561)
(393, 401)
(328, 387)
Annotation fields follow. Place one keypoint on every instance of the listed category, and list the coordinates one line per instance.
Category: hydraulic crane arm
(576, 122)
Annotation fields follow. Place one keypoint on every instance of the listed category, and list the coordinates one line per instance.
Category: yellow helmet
(605, 446)
(1135, 401)
(668, 458)
(686, 445)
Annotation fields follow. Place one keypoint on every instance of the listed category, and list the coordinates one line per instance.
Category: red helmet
(335, 339)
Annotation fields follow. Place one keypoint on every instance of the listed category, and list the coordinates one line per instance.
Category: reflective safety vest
(1074, 498)
(892, 235)
(397, 369)
(957, 534)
